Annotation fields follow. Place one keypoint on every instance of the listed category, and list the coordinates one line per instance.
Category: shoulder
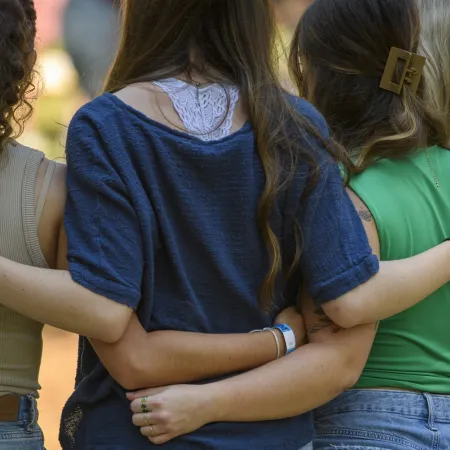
(16, 150)
(96, 131)
(96, 114)
(314, 136)
(367, 219)
(310, 114)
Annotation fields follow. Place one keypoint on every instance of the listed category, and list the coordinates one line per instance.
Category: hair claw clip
(412, 74)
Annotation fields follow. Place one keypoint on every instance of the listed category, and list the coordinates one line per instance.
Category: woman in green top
(369, 87)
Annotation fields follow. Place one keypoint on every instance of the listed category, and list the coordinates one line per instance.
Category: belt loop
(34, 413)
(431, 414)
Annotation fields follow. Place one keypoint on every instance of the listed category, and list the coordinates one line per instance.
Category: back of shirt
(410, 202)
(167, 224)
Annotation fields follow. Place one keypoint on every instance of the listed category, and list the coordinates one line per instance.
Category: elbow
(107, 333)
(347, 379)
(344, 313)
(110, 328)
(125, 374)
(129, 382)
(351, 369)
(132, 373)
(350, 377)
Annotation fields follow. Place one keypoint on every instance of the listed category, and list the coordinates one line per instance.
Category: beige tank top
(20, 338)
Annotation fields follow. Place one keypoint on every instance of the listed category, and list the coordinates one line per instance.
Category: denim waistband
(28, 411)
(414, 405)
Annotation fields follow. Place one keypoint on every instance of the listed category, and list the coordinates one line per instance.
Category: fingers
(157, 433)
(162, 439)
(161, 423)
(153, 431)
(145, 420)
(143, 404)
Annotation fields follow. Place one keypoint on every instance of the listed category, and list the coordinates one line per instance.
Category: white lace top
(207, 111)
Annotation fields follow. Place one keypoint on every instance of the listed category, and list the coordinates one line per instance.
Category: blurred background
(76, 43)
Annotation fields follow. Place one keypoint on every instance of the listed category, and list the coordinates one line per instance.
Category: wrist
(281, 341)
(215, 403)
(288, 337)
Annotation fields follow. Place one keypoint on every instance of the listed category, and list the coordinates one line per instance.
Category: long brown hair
(17, 35)
(344, 46)
(234, 42)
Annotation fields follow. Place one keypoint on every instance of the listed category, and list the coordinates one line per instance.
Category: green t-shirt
(412, 214)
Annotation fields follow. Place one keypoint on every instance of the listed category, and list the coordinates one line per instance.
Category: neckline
(172, 131)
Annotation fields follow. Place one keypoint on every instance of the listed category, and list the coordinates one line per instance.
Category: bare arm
(50, 296)
(142, 359)
(311, 376)
(398, 286)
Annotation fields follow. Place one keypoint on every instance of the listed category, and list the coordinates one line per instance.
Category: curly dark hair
(17, 36)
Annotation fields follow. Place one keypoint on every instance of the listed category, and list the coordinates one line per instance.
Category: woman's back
(195, 207)
(410, 202)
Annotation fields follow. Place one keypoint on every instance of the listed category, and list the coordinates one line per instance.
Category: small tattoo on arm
(365, 215)
(323, 321)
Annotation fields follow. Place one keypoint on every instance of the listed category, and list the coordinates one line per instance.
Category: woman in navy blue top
(204, 236)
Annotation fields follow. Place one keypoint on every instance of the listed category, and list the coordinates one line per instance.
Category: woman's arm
(343, 276)
(142, 359)
(50, 296)
(309, 377)
(139, 359)
(313, 375)
(399, 285)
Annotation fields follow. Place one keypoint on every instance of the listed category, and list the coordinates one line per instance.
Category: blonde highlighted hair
(343, 46)
(435, 46)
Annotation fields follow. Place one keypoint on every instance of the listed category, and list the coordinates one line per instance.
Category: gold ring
(144, 408)
(146, 420)
(152, 431)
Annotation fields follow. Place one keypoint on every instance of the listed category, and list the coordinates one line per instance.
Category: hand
(172, 411)
(292, 318)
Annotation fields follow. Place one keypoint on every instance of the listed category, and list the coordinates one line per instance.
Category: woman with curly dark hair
(32, 195)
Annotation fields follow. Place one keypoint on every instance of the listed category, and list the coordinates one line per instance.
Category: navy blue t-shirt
(167, 224)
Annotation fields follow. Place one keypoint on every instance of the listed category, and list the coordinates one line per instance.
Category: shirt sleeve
(336, 255)
(104, 240)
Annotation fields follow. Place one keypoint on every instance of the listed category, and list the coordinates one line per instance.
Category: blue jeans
(381, 419)
(24, 434)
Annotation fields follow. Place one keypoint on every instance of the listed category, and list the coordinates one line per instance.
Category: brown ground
(57, 381)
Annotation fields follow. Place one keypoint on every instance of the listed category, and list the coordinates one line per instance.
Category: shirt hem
(347, 280)
(115, 291)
